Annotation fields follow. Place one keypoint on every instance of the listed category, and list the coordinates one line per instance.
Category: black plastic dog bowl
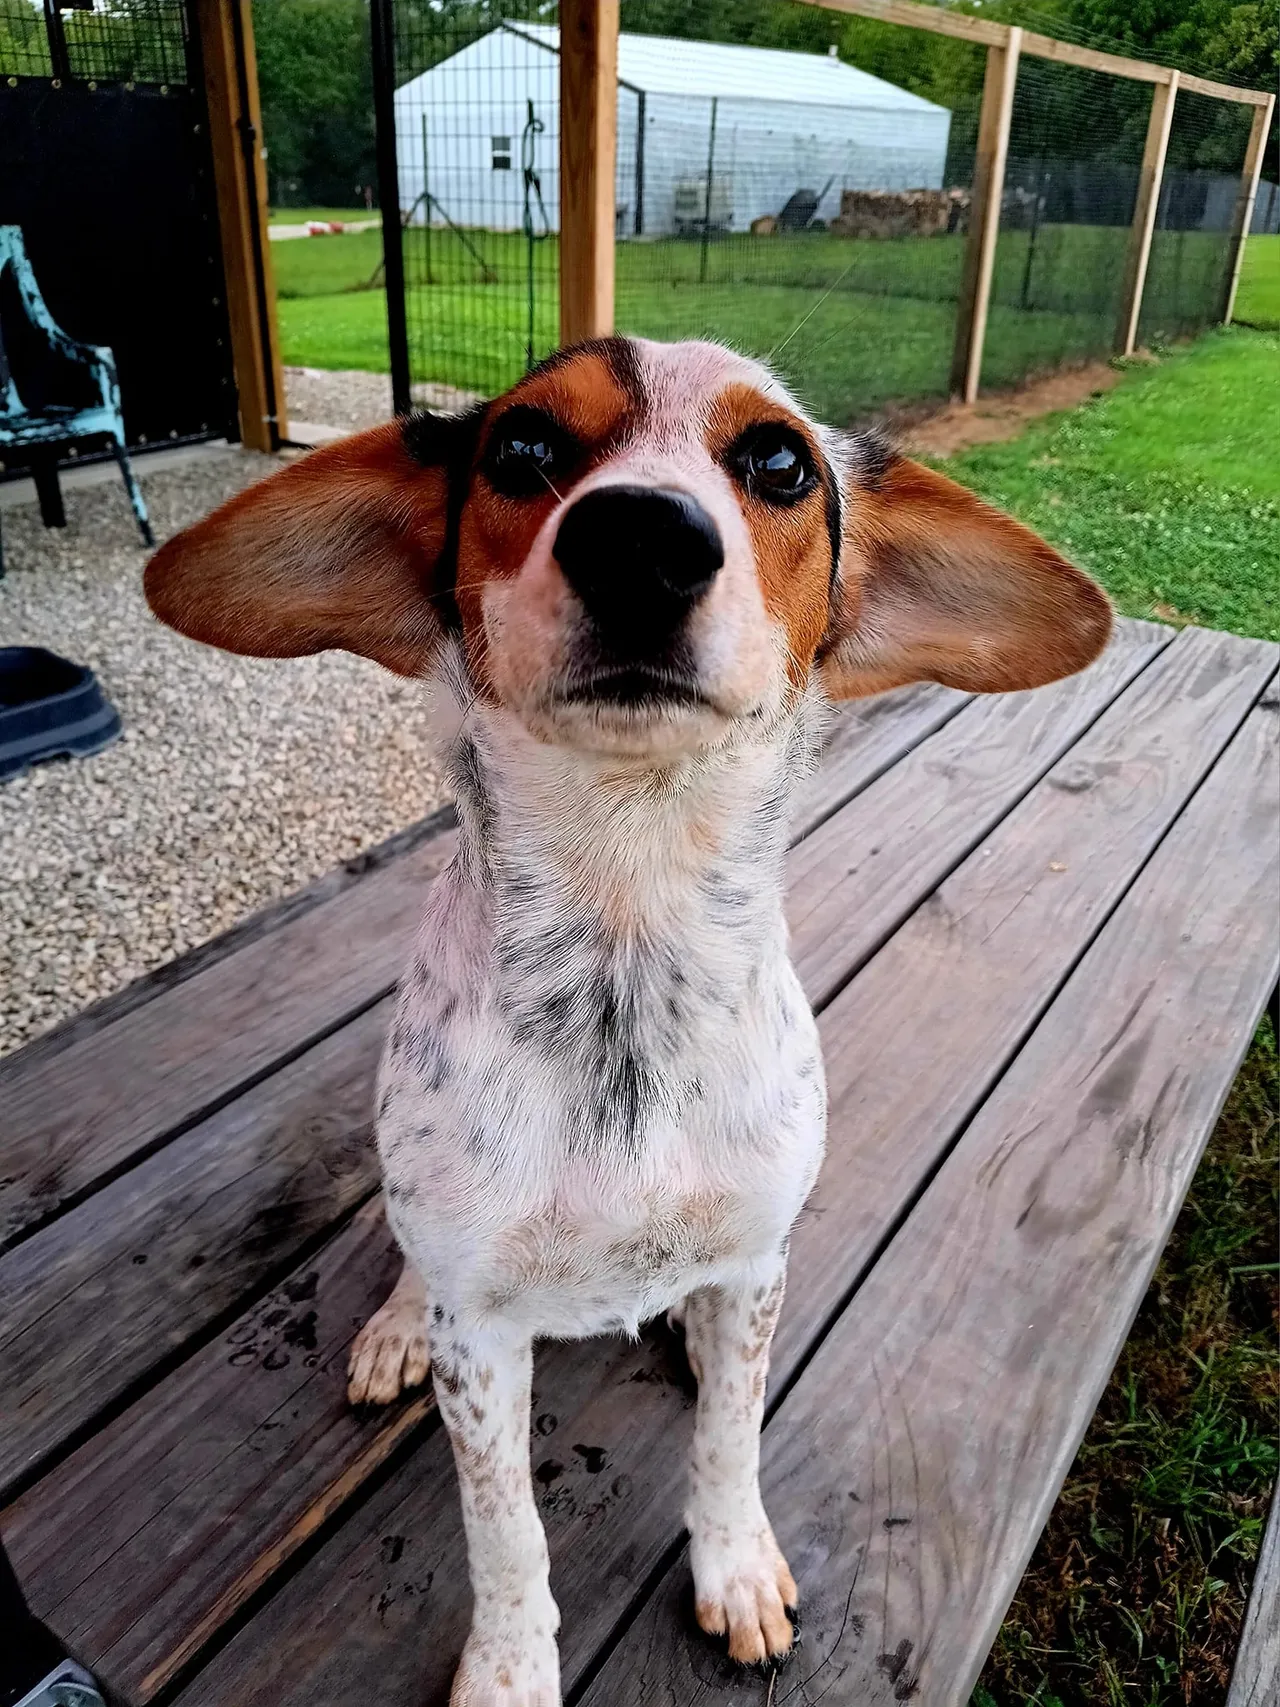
(49, 706)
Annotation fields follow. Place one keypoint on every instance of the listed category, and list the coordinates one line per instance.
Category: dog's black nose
(639, 558)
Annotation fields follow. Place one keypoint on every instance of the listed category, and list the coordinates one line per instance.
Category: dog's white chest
(578, 1146)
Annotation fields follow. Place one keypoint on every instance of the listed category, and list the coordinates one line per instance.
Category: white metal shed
(754, 124)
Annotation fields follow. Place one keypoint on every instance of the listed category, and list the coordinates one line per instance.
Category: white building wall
(447, 118)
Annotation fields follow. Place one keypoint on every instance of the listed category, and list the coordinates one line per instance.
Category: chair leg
(44, 472)
(135, 492)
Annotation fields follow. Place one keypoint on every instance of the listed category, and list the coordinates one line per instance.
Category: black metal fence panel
(476, 104)
(107, 170)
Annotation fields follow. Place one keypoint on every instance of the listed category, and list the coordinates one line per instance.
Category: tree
(316, 85)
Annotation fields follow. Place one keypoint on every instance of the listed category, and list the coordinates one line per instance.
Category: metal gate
(468, 151)
(106, 166)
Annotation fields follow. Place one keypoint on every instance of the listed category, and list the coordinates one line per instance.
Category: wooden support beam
(1243, 217)
(984, 215)
(1145, 209)
(240, 179)
(963, 27)
(588, 151)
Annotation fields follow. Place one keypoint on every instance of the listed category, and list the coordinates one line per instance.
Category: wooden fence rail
(588, 89)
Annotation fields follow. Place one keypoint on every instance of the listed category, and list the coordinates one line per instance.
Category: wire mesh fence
(810, 204)
(796, 207)
(477, 145)
(1071, 184)
(1191, 249)
(119, 41)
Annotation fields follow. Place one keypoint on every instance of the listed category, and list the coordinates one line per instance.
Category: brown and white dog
(640, 576)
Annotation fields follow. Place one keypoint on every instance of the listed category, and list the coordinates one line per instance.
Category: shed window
(501, 153)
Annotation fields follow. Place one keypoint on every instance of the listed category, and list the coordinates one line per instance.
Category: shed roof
(670, 65)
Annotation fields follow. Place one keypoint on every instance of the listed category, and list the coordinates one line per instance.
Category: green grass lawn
(1258, 298)
(1167, 488)
(852, 326)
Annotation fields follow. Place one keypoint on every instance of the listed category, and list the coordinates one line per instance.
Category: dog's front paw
(389, 1353)
(508, 1671)
(744, 1590)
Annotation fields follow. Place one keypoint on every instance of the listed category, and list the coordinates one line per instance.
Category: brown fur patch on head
(592, 392)
(791, 544)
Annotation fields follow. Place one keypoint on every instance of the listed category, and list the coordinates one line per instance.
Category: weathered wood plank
(76, 1117)
(288, 1098)
(853, 881)
(1097, 816)
(190, 1500)
(102, 1296)
(82, 1115)
(1256, 1679)
(161, 979)
(866, 738)
(912, 1466)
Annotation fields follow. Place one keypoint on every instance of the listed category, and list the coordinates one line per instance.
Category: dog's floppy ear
(935, 585)
(342, 549)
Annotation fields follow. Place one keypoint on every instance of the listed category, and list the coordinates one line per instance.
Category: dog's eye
(527, 453)
(775, 464)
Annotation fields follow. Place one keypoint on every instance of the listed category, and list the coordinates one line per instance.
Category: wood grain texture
(1145, 208)
(199, 1492)
(990, 946)
(865, 739)
(388, 1597)
(999, 82)
(1019, 923)
(1242, 216)
(242, 217)
(853, 881)
(588, 155)
(1255, 1681)
(99, 1298)
(167, 976)
(1226, 91)
(79, 1116)
(911, 1468)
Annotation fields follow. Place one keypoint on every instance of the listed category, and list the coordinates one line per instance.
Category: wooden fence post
(1147, 206)
(588, 153)
(984, 214)
(240, 180)
(1243, 217)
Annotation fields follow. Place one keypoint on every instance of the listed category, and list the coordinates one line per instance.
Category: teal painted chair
(34, 436)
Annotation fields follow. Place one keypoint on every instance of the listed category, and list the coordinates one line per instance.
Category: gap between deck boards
(1007, 811)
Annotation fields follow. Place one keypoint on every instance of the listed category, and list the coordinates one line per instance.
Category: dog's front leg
(742, 1585)
(483, 1380)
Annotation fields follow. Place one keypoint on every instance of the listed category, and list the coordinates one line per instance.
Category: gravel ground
(236, 782)
(354, 400)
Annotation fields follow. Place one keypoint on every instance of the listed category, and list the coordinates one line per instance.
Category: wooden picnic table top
(1038, 930)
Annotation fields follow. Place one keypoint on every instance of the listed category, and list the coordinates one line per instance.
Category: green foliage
(317, 98)
(313, 60)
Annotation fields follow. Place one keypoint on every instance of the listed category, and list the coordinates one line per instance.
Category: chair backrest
(18, 280)
(13, 252)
